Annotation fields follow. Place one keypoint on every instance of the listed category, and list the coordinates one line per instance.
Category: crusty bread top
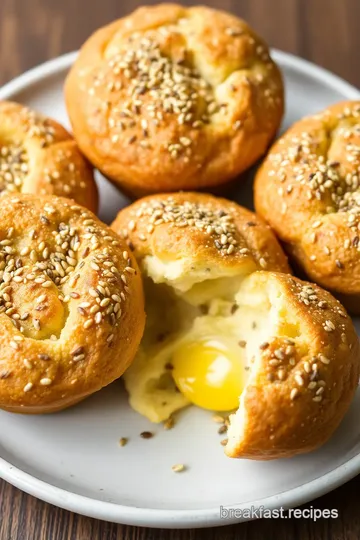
(38, 155)
(71, 303)
(173, 98)
(308, 189)
(202, 232)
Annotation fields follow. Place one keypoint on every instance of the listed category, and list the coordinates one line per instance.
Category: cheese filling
(199, 353)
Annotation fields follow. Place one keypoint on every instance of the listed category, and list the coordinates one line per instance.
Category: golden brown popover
(172, 98)
(38, 155)
(217, 300)
(308, 190)
(71, 304)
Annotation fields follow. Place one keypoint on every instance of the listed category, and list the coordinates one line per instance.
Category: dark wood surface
(324, 31)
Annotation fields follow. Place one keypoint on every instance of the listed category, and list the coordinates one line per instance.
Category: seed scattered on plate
(179, 467)
(169, 423)
(222, 429)
(123, 441)
(146, 435)
(218, 419)
(223, 442)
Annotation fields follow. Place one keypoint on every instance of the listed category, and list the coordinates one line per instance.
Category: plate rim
(151, 517)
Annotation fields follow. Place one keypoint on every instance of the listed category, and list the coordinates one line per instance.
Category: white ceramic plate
(72, 459)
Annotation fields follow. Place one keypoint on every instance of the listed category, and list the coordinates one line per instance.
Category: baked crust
(172, 98)
(37, 155)
(71, 304)
(302, 387)
(204, 232)
(308, 190)
(303, 378)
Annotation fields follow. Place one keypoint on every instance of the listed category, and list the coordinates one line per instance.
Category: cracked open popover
(228, 328)
(172, 98)
(71, 304)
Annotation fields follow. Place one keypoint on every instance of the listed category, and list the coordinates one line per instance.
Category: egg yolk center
(209, 373)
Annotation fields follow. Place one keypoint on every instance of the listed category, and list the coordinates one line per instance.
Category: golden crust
(301, 387)
(303, 378)
(149, 134)
(201, 231)
(37, 155)
(71, 304)
(308, 190)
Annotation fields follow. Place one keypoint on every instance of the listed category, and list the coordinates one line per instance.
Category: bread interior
(243, 310)
(282, 321)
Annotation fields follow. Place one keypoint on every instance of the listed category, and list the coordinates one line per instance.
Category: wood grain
(323, 31)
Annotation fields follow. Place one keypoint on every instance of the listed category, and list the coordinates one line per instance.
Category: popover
(172, 98)
(71, 304)
(308, 190)
(38, 155)
(228, 328)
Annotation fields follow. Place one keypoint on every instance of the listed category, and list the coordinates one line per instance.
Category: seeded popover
(71, 304)
(38, 155)
(308, 190)
(225, 332)
(172, 98)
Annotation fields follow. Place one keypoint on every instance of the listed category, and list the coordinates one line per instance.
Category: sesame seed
(169, 423)
(218, 419)
(316, 224)
(28, 387)
(179, 467)
(93, 292)
(307, 367)
(329, 326)
(78, 357)
(88, 323)
(45, 381)
(262, 262)
(123, 441)
(146, 435)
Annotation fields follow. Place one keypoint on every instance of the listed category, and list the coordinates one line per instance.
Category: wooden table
(324, 31)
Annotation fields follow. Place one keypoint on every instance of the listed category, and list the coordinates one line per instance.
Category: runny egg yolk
(210, 374)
